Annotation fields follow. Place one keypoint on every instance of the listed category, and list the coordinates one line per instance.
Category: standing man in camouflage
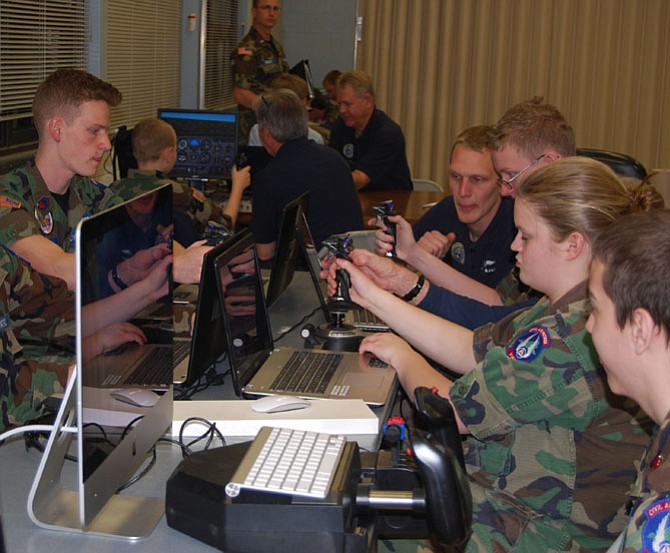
(257, 59)
(42, 202)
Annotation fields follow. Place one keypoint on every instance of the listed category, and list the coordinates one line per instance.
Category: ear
(54, 127)
(551, 155)
(644, 330)
(576, 245)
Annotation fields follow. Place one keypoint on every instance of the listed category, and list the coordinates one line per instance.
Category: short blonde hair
(150, 137)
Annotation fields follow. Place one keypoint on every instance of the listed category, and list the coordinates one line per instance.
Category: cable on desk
(298, 324)
(209, 434)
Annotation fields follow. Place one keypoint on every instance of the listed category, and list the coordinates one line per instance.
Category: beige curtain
(440, 66)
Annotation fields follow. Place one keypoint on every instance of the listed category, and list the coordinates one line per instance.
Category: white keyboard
(295, 462)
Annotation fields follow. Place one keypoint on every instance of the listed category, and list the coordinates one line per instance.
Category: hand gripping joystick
(383, 210)
(340, 246)
(337, 335)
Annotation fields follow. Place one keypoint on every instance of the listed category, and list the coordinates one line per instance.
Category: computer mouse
(139, 397)
(278, 404)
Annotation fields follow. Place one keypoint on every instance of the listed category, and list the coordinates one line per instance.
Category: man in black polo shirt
(371, 142)
(472, 229)
(298, 165)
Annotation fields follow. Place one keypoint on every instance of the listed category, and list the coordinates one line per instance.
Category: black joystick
(340, 246)
(383, 210)
(337, 335)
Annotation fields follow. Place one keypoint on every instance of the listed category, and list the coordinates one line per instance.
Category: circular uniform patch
(458, 252)
(43, 215)
(656, 529)
(348, 151)
(530, 344)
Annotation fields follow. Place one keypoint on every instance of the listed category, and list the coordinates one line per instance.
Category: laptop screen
(248, 332)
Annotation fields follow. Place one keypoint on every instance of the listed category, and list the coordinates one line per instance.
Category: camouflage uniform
(28, 208)
(254, 63)
(550, 461)
(511, 290)
(648, 526)
(199, 209)
(34, 307)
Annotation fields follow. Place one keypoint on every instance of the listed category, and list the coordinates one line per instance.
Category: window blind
(36, 38)
(220, 40)
(143, 57)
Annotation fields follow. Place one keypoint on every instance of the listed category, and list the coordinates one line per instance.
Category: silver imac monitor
(113, 438)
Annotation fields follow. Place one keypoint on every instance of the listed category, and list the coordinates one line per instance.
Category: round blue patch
(458, 252)
(530, 344)
(348, 151)
(656, 529)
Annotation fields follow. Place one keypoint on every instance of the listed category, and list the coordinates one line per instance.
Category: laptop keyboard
(307, 372)
(363, 316)
(294, 462)
(157, 368)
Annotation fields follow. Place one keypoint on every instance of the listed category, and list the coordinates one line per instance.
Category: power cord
(298, 324)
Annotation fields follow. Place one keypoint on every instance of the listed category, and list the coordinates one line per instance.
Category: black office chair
(621, 164)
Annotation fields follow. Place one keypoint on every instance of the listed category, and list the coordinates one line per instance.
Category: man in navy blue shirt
(472, 229)
(298, 165)
(368, 139)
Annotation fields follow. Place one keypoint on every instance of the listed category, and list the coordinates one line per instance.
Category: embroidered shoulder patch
(11, 203)
(530, 344)
(656, 529)
(244, 51)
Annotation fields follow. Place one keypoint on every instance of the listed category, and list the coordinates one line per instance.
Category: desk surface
(411, 204)
(19, 466)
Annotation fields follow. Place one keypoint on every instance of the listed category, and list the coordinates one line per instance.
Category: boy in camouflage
(155, 149)
(42, 202)
(549, 452)
(630, 326)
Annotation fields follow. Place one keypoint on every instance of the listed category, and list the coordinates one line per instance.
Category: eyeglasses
(509, 182)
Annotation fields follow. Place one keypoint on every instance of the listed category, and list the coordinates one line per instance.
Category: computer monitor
(206, 143)
(106, 461)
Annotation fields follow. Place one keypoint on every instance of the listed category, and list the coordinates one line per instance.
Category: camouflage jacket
(191, 201)
(550, 456)
(255, 62)
(28, 208)
(648, 526)
(511, 290)
(38, 309)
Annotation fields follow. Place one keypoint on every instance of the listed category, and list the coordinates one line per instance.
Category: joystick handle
(343, 285)
(383, 211)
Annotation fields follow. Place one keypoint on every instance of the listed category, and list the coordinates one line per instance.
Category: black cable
(298, 324)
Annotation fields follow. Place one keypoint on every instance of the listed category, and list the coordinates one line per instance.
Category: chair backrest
(621, 164)
(425, 184)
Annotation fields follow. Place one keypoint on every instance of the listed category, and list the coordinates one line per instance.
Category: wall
(442, 65)
(321, 31)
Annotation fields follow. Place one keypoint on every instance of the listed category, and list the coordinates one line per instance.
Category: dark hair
(64, 90)
(532, 126)
(332, 76)
(635, 252)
